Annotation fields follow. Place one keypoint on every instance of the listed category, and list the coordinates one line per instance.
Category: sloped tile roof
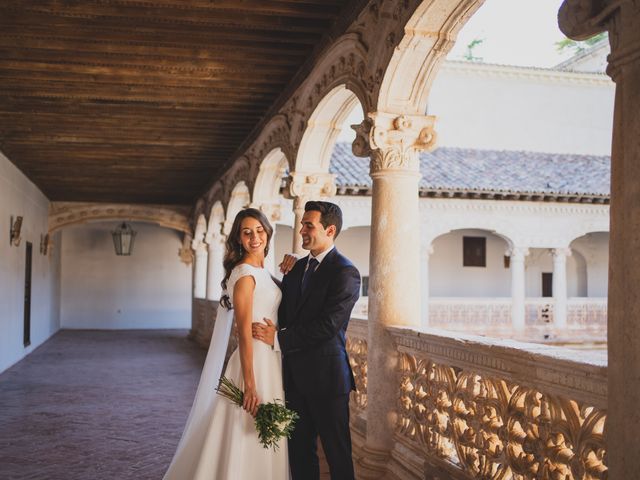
(463, 169)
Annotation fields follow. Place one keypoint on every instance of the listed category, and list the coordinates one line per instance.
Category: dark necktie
(306, 278)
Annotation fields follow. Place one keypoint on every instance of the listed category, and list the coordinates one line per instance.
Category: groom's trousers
(327, 417)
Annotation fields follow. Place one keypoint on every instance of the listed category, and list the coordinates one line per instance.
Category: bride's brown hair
(235, 252)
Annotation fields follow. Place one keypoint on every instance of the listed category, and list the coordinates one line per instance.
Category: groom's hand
(264, 333)
(287, 263)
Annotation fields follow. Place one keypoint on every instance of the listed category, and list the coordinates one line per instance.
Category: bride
(220, 440)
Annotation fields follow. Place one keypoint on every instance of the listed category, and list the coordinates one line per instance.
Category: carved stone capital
(272, 211)
(186, 253)
(560, 253)
(581, 19)
(310, 186)
(393, 141)
(518, 253)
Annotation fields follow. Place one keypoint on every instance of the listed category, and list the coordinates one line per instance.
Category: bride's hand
(250, 400)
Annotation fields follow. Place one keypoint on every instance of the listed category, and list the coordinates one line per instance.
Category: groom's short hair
(330, 213)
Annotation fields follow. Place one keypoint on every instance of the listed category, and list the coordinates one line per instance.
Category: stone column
(298, 212)
(579, 20)
(560, 287)
(516, 262)
(200, 270)
(302, 187)
(215, 270)
(393, 143)
(425, 255)
(272, 212)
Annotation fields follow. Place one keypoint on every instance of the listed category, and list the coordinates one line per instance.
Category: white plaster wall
(100, 290)
(20, 197)
(490, 107)
(513, 108)
(594, 247)
(354, 244)
(540, 261)
(448, 278)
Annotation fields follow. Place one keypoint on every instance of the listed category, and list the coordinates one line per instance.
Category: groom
(318, 295)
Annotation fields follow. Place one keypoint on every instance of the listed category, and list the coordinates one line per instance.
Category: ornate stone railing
(482, 315)
(472, 407)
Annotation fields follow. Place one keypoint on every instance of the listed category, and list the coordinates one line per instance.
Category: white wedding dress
(220, 441)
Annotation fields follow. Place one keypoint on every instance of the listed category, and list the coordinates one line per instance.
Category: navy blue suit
(316, 372)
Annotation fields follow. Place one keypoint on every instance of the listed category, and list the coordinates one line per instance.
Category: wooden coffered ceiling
(146, 101)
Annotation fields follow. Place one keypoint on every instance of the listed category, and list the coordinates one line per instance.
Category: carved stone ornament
(393, 141)
(186, 253)
(581, 19)
(310, 186)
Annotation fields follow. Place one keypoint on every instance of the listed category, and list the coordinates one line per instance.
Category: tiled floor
(92, 405)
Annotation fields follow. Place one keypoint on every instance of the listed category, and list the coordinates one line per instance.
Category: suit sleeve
(342, 295)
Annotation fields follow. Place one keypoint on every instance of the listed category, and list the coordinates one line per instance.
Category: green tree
(578, 47)
(469, 56)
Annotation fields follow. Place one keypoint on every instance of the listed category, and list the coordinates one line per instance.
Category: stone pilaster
(200, 269)
(516, 262)
(425, 254)
(273, 214)
(215, 270)
(393, 143)
(621, 18)
(560, 287)
(302, 187)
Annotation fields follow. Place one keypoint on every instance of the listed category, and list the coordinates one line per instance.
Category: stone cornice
(490, 195)
(548, 75)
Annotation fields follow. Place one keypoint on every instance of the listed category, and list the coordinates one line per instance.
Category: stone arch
(214, 195)
(323, 128)
(63, 214)
(216, 219)
(345, 63)
(275, 135)
(240, 171)
(200, 231)
(269, 179)
(593, 247)
(428, 37)
(495, 228)
(240, 198)
(451, 278)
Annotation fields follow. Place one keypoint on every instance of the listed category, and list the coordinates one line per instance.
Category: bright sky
(516, 32)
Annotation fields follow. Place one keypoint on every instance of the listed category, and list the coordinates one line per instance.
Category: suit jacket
(313, 326)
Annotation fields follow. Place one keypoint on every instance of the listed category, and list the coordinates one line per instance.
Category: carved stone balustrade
(474, 407)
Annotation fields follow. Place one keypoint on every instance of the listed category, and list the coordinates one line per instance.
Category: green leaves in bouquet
(273, 420)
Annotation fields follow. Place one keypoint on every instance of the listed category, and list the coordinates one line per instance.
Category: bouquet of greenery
(273, 420)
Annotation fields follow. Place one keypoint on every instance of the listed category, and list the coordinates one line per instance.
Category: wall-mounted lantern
(14, 231)
(44, 244)
(123, 238)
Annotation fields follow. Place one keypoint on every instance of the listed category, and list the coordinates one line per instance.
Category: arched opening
(469, 263)
(323, 128)
(269, 181)
(100, 290)
(240, 198)
(593, 249)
